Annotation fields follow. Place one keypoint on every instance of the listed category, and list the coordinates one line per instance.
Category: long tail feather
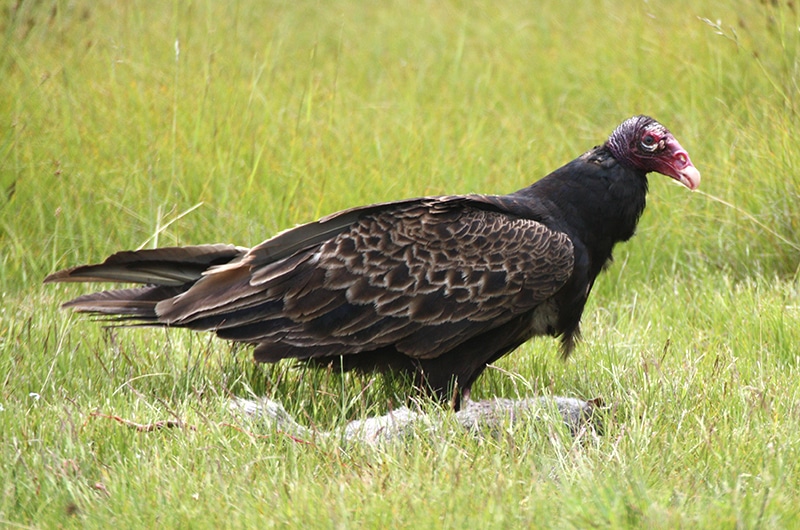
(138, 303)
(165, 273)
(173, 266)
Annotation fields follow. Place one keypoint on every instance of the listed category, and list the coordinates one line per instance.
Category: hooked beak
(678, 165)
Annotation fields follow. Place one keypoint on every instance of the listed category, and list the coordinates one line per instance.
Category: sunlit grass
(268, 114)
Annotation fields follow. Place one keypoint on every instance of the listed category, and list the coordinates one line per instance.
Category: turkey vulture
(435, 286)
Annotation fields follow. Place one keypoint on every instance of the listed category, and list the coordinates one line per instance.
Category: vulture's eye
(649, 141)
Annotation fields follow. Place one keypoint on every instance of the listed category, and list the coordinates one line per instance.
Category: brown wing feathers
(421, 276)
(419, 279)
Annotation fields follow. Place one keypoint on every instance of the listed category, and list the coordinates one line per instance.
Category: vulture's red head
(644, 144)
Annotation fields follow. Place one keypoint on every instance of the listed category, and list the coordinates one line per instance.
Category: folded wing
(420, 276)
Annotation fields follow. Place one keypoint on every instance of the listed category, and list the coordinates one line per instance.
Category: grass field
(136, 124)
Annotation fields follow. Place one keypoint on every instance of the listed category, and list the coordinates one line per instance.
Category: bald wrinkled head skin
(647, 145)
(435, 286)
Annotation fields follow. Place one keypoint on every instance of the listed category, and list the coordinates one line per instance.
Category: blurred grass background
(270, 114)
(136, 124)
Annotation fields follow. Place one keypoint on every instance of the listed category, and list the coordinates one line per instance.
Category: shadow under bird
(436, 286)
